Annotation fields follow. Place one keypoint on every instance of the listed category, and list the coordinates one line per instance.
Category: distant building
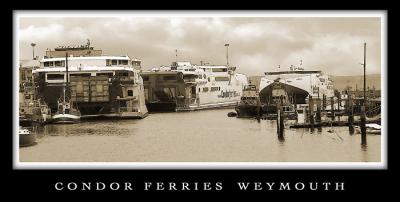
(25, 70)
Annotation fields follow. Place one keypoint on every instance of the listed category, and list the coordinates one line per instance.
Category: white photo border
(202, 165)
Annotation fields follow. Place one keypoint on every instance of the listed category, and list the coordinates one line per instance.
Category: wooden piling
(332, 109)
(258, 110)
(311, 109)
(350, 114)
(280, 122)
(362, 127)
(282, 125)
(319, 115)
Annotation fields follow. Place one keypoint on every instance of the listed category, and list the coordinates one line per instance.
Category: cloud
(51, 32)
(256, 44)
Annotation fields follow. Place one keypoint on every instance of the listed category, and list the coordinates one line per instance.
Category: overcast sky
(257, 45)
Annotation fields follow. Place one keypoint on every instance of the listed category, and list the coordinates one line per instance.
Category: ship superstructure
(299, 84)
(100, 85)
(183, 86)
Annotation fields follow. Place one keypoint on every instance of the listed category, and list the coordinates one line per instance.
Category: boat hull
(124, 115)
(368, 131)
(207, 106)
(65, 119)
(161, 106)
(246, 111)
(26, 139)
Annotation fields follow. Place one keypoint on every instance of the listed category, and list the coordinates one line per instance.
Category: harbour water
(198, 136)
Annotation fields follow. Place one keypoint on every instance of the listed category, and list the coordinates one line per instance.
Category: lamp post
(33, 50)
(227, 52)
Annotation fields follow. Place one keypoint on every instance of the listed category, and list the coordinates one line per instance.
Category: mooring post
(281, 125)
(278, 119)
(311, 106)
(319, 115)
(258, 110)
(279, 122)
(332, 109)
(362, 127)
(349, 110)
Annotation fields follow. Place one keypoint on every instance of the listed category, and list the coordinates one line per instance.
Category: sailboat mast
(365, 51)
(66, 66)
(66, 69)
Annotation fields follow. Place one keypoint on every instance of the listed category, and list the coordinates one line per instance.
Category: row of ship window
(61, 63)
(212, 89)
(173, 78)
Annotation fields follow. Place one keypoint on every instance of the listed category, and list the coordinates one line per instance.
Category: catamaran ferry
(100, 86)
(299, 84)
(184, 87)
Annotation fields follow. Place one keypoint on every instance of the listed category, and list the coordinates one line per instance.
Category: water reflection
(201, 136)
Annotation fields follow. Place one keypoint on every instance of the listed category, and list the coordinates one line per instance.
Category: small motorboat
(26, 138)
(371, 128)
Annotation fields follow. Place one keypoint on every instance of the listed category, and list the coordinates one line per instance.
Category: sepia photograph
(200, 89)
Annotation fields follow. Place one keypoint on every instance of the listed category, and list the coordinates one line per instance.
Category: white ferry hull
(231, 104)
(125, 115)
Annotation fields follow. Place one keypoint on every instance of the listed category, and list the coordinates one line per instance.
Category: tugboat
(279, 98)
(66, 112)
(26, 138)
(249, 105)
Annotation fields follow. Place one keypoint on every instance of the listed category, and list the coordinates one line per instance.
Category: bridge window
(221, 78)
(49, 64)
(59, 63)
(214, 89)
(108, 62)
(123, 62)
(219, 69)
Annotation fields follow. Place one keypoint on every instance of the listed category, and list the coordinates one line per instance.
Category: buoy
(232, 114)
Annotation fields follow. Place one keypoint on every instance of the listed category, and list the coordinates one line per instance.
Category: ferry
(183, 86)
(300, 85)
(100, 85)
